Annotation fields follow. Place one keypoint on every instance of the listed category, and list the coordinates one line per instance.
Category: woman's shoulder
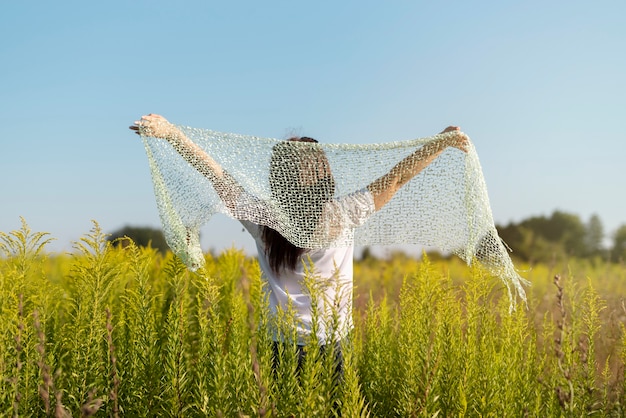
(356, 207)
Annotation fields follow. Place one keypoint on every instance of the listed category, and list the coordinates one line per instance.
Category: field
(112, 331)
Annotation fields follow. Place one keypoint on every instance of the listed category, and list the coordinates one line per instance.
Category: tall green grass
(110, 331)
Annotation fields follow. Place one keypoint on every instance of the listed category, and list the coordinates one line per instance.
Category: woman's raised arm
(158, 127)
(385, 187)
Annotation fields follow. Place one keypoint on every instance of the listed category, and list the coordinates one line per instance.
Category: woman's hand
(460, 141)
(450, 129)
(153, 125)
(225, 185)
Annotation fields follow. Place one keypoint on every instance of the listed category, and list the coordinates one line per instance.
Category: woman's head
(300, 174)
(301, 183)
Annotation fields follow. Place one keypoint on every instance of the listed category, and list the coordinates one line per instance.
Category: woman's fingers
(450, 129)
(150, 124)
(135, 127)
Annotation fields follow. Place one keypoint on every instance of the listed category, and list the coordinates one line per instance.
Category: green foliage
(128, 331)
(141, 236)
(594, 235)
(562, 235)
(618, 253)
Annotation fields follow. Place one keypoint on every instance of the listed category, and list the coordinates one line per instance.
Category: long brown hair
(287, 187)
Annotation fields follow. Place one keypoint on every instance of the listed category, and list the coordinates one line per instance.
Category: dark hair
(285, 170)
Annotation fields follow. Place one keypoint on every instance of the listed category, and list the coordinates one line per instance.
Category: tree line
(544, 238)
(143, 236)
(535, 240)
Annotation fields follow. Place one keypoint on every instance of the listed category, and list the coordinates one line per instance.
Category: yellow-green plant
(127, 331)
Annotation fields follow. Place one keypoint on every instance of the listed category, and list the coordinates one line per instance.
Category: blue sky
(540, 87)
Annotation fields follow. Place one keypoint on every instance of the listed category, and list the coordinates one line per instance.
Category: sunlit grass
(112, 331)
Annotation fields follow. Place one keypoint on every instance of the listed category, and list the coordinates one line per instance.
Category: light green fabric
(446, 206)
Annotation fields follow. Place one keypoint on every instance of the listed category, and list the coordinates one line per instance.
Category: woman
(303, 193)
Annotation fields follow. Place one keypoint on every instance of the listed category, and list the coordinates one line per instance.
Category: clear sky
(539, 86)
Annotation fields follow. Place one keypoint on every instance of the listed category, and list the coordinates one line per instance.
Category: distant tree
(142, 236)
(541, 238)
(513, 235)
(525, 243)
(570, 231)
(594, 235)
(618, 251)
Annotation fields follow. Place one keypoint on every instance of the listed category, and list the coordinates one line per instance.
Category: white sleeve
(357, 207)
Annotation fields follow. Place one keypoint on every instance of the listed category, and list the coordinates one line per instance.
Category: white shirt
(331, 269)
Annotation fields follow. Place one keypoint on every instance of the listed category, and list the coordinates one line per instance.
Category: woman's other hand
(153, 125)
(460, 141)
